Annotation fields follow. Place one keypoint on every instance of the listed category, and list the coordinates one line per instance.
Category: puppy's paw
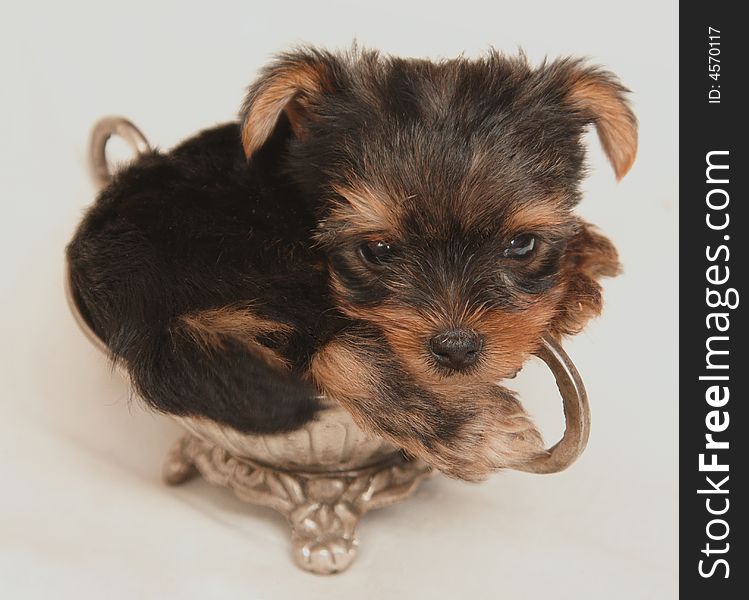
(501, 435)
(467, 433)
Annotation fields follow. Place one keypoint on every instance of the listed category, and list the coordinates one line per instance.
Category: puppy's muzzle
(457, 349)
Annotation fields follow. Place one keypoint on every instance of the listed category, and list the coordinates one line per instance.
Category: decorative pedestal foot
(323, 509)
(178, 466)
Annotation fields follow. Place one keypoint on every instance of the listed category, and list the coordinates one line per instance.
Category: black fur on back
(194, 229)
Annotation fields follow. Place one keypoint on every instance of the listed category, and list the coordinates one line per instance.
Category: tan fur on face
(510, 337)
(616, 124)
(289, 91)
(213, 327)
(543, 214)
(365, 209)
(498, 433)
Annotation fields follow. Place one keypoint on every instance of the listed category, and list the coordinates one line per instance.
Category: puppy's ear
(592, 253)
(292, 85)
(601, 98)
(588, 257)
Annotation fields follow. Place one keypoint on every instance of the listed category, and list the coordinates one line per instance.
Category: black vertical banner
(714, 364)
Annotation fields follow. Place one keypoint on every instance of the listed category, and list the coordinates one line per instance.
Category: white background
(83, 513)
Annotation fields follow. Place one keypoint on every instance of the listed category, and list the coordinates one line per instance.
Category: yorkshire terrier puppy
(394, 234)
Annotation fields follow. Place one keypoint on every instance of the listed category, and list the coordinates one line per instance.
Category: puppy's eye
(376, 253)
(521, 246)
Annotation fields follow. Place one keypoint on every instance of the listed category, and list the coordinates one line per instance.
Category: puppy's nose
(456, 349)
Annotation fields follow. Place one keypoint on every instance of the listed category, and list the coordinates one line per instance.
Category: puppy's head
(445, 194)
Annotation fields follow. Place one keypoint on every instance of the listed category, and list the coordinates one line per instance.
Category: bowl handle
(102, 171)
(105, 128)
(576, 411)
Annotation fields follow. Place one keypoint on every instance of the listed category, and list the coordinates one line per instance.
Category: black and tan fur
(234, 276)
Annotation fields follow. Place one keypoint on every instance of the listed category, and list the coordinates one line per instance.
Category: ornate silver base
(322, 508)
